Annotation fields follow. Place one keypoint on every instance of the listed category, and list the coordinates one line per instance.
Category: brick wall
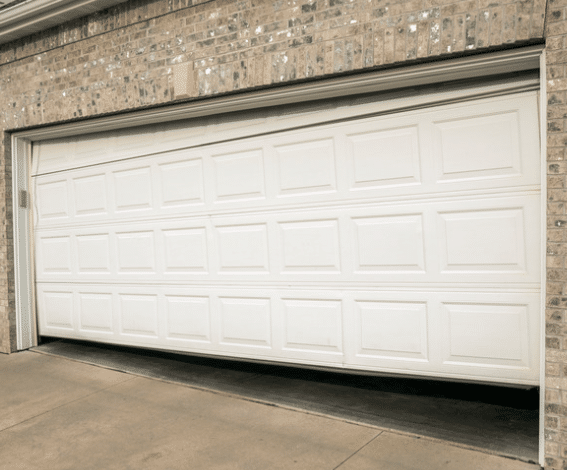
(556, 326)
(126, 57)
(123, 57)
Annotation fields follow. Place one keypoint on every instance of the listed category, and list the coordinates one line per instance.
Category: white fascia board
(32, 16)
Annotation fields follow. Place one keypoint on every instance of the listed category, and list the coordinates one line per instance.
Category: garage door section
(405, 243)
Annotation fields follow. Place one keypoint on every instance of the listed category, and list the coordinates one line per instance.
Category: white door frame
(481, 66)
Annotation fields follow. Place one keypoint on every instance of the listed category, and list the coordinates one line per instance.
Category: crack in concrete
(358, 450)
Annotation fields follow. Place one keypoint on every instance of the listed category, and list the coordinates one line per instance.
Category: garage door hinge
(23, 199)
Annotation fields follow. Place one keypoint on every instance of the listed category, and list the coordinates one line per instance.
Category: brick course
(125, 57)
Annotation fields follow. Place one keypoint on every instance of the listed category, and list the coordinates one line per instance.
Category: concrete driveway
(57, 413)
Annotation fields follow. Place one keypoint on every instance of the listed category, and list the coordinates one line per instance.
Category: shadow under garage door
(496, 419)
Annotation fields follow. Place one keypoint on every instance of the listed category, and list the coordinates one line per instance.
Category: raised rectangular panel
(392, 329)
(133, 189)
(389, 243)
(239, 175)
(486, 333)
(310, 246)
(182, 182)
(93, 252)
(185, 250)
(243, 248)
(55, 254)
(136, 251)
(58, 309)
(188, 318)
(483, 240)
(90, 195)
(385, 157)
(138, 314)
(479, 147)
(313, 325)
(52, 200)
(245, 321)
(306, 167)
(95, 312)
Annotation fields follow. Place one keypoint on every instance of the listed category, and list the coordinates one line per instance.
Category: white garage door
(405, 243)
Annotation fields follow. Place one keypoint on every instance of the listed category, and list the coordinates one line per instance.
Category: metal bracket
(23, 199)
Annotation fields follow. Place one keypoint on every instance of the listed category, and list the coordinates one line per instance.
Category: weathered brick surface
(556, 301)
(124, 58)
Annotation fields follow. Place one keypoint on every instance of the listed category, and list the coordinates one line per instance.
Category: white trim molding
(23, 249)
(32, 16)
(543, 157)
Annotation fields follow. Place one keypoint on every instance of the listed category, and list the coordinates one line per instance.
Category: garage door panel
(55, 256)
(484, 240)
(188, 318)
(138, 314)
(391, 330)
(490, 236)
(306, 167)
(57, 305)
(53, 199)
(90, 194)
(182, 182)
(242, 248)
(372, 158)
(185, 250)
(93, 255)
(490, 331)
(455, 334)
(310, 246)
(238, 175)
(245, 321)
(96, 312)
(133, 189)
(381, 158)
(403, 243)
(480, 334)
(313, 324)
(468, 241)
(388, 243)
(479, 147)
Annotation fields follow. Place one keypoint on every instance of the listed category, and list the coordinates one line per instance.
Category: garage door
(402, 243)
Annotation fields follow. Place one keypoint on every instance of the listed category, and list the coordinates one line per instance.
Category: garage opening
(386, 236)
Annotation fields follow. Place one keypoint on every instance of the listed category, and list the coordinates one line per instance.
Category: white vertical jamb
(26, 332)
(543, 159)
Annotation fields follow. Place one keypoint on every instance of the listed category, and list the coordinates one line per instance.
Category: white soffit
(23, 19)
